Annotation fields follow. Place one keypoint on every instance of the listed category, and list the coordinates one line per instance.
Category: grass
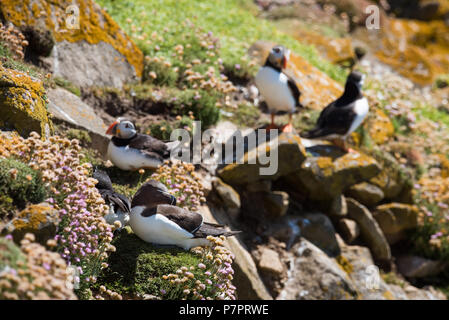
(231, 21)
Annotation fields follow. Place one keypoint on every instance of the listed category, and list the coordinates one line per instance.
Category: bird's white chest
(273, 86)
(361, 110)
(127, 158)
(157, 228)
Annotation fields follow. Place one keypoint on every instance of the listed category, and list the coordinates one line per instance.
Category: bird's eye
(277, 50)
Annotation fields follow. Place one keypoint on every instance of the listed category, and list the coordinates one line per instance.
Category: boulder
(229, 197)
(338, 207)
(23, 104)
(369, 230)
(94, 51)
(276, 203)
(290, 155)
(330, 171)
(418, 267)
(246, 277)
(366, 193)
(380, 127)
(395, 218)
(315, 276)
(69, 108)
(269, 261)
(39, 219)
(348, 229)
(318, 229)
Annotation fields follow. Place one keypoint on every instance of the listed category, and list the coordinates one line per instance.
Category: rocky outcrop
(329, 171)
(69, 108)
(291, 153)
(90, 48)
(349, 230)
(369, 230)
(23, 103)
(312, 275)
(395, 218)
(366, 193)
(418, 267)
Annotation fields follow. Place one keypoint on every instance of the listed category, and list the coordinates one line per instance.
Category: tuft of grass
(68, 86)
(231, 21)
(164, 129)
(20, 183)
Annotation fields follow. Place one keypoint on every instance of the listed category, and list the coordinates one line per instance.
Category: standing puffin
(130, 150)
(341, 117)
(155, 218)
(119, 205)
(279, 90)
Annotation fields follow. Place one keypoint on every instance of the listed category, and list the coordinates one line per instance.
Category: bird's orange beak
(111, 127)
(284, 62)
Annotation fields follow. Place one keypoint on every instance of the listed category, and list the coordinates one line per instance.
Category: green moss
(10, 255)
(68, 86)
(137, 267)
(25, 187)
(162, 130)
(81, 135)
(246, 115)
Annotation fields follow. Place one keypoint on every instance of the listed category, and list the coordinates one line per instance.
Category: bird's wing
(336, 120)
(117, 199)
(149, 145)
(294, 90)
(187, 220)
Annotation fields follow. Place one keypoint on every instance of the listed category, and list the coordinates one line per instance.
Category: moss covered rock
(23, 103)
(137, 267)
(88, 41)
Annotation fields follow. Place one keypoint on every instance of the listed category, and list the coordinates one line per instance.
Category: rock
(369, 230)
(229, 197)
(95, 52)
(23, 104)
(40, 41)
(395, 218)
(338, 207)
(389, 180)
(380, 127)
(290, 155)
(348, 229)
(418, 267)
(330, 171)
(249, 284)
(318, 229)
(276, 203)
(317, 88)
(312, 275)
(366, 193)
(39, 219)
(259, 186)
(269, 261)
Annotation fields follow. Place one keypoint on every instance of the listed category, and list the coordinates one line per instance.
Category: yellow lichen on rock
(95, 25)
(23, 103)
(380, 127)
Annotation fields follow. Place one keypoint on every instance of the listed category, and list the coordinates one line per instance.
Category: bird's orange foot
(287, 128)
(350, 150)
(271, 127)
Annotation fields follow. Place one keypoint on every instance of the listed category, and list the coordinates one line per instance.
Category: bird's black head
(356, 78)
(151, 194)
(104, 182)
(278, 57)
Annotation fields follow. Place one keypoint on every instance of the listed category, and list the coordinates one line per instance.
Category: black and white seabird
(278, 90)
(154, 218)
(341, 117)
(130, 150)
(119, 205)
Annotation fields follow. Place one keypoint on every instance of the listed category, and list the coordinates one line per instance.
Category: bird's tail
(215, 230)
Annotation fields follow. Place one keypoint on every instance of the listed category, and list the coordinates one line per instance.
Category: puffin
(341, 117)
(278, 89)
(119, 205)
(130, 150)
(155, 218)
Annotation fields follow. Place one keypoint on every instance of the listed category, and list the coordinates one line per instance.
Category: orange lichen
(95, 25)
(23, 102)
(380, 127)
(33, 216)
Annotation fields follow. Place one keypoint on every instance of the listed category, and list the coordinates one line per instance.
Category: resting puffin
(279, 90)
(130, 150)
(155, 218)
(341, 117)
(119, 205)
